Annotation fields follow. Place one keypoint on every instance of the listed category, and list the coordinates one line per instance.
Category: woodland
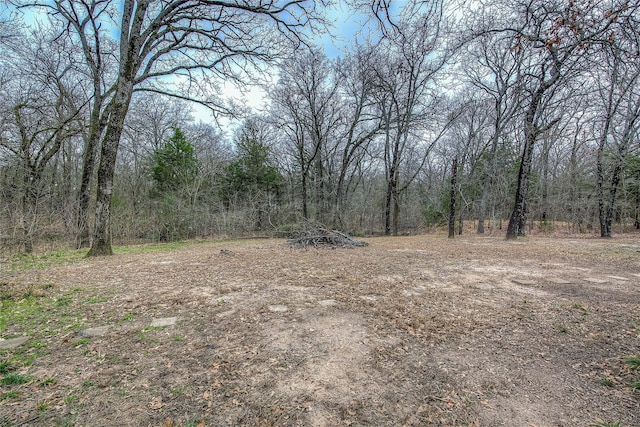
(504, 114)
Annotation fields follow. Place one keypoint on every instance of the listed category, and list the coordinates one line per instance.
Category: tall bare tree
(556, 37)
(495, 70)
(359, 121)
(620, 112)
(43, 113)
(306, 107)
(195, 41)
(407, 97)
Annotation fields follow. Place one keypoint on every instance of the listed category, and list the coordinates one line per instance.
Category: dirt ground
(409, 331)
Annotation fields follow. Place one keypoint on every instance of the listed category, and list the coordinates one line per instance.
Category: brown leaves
(156, 404)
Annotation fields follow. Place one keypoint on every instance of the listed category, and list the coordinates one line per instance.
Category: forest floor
(409, 331)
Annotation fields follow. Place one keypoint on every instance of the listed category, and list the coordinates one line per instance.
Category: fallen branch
(322, 236)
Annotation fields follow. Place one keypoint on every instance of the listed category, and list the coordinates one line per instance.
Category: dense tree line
(536, 103)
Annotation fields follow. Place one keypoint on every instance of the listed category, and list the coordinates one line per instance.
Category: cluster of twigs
(321, 236)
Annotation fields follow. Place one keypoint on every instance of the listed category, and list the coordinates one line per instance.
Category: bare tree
(407, 97)
(468, 141)
(306, 107)
(194, 41)
(556, 38)
(43, 115)
(359, 121)
(9, 25)
(618, 90)
(495, 71)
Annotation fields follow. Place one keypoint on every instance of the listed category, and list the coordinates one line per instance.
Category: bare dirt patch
(407, 331)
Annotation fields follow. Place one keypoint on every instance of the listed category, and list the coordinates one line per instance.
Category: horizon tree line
(537, 102)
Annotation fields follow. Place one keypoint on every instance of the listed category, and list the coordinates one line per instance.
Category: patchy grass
(128, 316)
(47, 382)
(5, 367)
(153, 247)
(580, 308)
(97, 299)
(633, 362)
(408, 331)
(607, 382)
(38, 316)
(13, 394)
(20, 262)
(71, 399)
(12, 379)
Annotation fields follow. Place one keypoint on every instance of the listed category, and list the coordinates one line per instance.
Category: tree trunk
(605, 226)
(305, 207)
(545, 179)
(396, 210)
(522, 226)
(92, 142)
(491, 165)
(517, 220)
(573, 184)
(101, 244)
(338, 204)
(605, 207)
(452, 202)
(392, 194)
(636, 221)
(84, 196)
(319, 189)
(605, 230)
(29, 202)
(387, 207)
(491, 162)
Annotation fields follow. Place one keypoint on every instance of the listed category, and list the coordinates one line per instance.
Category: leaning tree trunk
(517, 221)
(101, 244)
(131, 40)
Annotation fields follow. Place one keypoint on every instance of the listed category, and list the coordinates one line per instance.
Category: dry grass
(407, 331)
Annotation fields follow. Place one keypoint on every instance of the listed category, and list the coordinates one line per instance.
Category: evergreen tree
(175, 164)
(251, 180)
(174, 171)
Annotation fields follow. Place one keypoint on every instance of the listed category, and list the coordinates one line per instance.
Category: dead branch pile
(322, 236)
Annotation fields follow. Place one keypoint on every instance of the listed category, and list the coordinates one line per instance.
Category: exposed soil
(411, 331)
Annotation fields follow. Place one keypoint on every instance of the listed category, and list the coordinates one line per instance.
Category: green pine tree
(251, 179)
(175, 164)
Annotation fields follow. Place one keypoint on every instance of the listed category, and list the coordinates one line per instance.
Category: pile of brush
(320, 236)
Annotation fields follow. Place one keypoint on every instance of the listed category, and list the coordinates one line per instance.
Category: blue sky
(347, 27)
